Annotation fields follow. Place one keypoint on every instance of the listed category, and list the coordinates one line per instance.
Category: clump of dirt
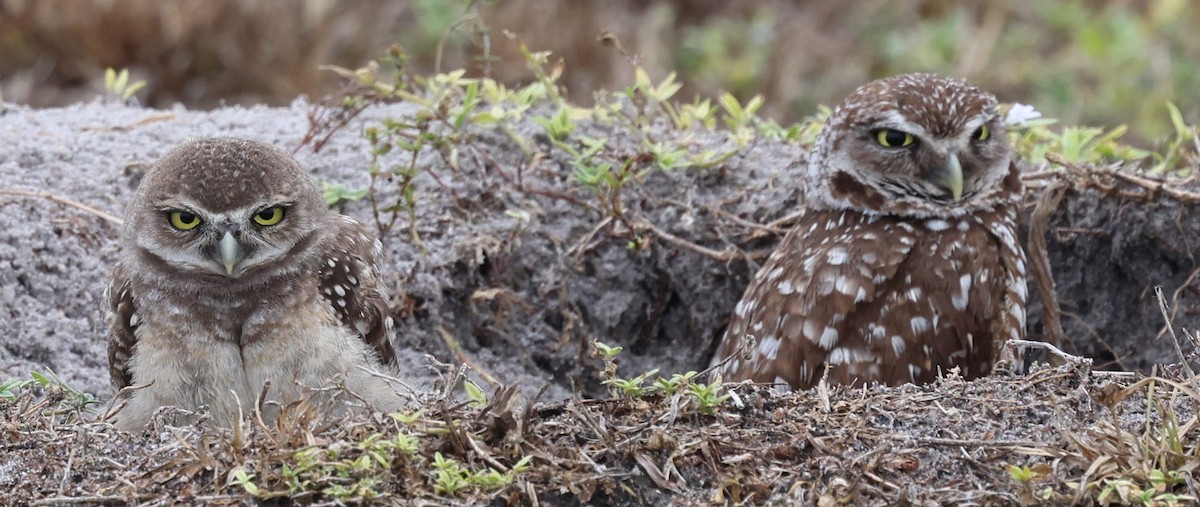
(1114, 238)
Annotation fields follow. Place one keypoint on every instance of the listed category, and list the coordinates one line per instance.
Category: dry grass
(1076, 434)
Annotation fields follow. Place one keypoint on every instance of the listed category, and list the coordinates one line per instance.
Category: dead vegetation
(1055, 436)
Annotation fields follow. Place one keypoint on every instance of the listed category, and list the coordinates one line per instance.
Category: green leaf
(606, 351)
(1181, 128)
(475, 394)
(407, 417)
(40, 379)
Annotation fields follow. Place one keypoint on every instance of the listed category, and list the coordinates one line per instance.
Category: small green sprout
(1164, 481)
(1182, 137)
(559, 126)
(337, 193)
(241, 477)
(668, 157)
(634, 387)
(8, 390)
(606, 353)
(73, 400)
(771, 129)
(117, 84)
(407, 444)
(1021, 474)
(708, 397)
(699, 111)
(292, 477)
(589, 172)
(658, 93)
(671, 386)
(738, 116)
(449, 477)
(493, 480)
(465, 112)
(475, 394)
(407, 418)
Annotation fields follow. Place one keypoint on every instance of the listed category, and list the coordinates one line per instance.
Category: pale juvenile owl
(233, 272)
(906, 261)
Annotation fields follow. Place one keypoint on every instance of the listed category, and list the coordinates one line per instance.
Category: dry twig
(1040, 263)
(61, 200)
(1162, 306)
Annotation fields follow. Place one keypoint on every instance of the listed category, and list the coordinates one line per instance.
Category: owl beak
(231, 252)
(948, 177)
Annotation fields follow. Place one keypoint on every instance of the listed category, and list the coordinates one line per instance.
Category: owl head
(225, 210)
(918, 145)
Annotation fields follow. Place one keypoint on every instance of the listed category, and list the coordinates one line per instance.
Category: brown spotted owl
(906, 262)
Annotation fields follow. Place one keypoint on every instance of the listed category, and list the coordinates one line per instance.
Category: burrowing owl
(233, 272)
(906, 261)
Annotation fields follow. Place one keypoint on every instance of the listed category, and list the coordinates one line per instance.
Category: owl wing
(121, 316)
(944, 314)
(1011, 324)
(798, 304)
(350, 284)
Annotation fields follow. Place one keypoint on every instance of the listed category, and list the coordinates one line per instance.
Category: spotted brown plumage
(905, 262)
(351, 287)
(233, 273)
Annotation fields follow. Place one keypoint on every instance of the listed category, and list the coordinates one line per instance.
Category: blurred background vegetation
(1095, 62)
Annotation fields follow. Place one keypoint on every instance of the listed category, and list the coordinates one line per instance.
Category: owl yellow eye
(893, 138)
(183, 220)
(983, 133)
(269, 216)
